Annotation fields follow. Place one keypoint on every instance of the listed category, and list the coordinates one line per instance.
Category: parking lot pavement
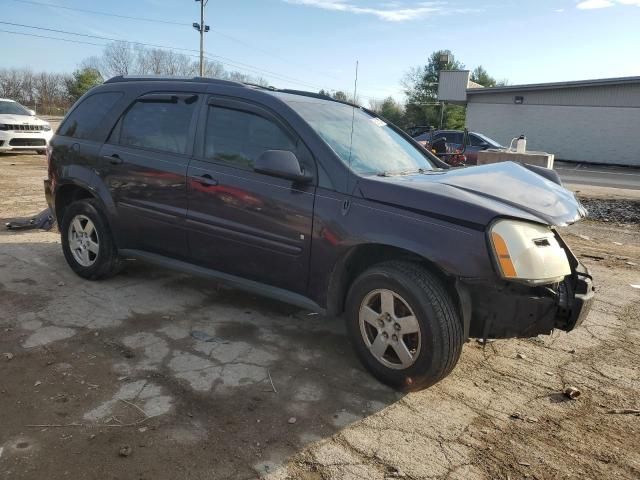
(154, 375)
(599, 175)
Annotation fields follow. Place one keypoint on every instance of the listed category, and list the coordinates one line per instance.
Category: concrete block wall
(609, 135)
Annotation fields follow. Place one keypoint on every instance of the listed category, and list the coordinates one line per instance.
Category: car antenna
(353, 119)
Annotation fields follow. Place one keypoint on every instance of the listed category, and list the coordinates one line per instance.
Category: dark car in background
(321, 204)
(455, 140)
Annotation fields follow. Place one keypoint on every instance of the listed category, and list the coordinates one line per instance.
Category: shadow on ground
(196, 379)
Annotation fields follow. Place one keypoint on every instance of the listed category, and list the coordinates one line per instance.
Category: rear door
(242, 222)
(145, 165)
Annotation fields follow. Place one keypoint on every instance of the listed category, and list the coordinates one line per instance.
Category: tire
(101, 260)
(433, 350)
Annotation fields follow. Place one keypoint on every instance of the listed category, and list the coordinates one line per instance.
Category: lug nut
(385, 335)
(395, 337)
(397, 327)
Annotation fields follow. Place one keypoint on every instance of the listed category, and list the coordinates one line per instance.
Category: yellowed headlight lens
(504, 259)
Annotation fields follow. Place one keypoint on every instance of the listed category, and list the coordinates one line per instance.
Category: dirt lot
(107, 380)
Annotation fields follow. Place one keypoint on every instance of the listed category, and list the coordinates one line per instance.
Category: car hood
(474, 196)
(22, 120)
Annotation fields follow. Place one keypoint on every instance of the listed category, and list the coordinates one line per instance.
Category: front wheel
(404, 325)
(87, 243)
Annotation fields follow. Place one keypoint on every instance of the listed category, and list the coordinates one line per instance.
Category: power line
(219, 58)
(231, 63)
(106, 14)
(169, 22)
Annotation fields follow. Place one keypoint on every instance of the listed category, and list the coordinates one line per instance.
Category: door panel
(150, 194)
(242, 222)
(144, 165)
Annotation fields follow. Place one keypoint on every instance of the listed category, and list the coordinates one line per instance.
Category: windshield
(12, 108)
(376, 147)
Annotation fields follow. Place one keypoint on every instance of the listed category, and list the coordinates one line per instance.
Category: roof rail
(304, 93)
(163, 78)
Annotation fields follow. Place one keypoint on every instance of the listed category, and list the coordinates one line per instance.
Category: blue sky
(317, 42)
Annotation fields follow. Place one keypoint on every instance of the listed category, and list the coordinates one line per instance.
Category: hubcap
(83, 240)
(390, 329)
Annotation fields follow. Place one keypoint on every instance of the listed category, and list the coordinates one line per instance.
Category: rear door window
(161, 124)
(84, 119)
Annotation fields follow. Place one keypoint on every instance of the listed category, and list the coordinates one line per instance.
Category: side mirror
(281, 163)
(31, 112)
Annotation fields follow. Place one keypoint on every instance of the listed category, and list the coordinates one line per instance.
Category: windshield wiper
(387, 173)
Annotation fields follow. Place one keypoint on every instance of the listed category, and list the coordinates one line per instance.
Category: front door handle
(113, 159)
(206, 180)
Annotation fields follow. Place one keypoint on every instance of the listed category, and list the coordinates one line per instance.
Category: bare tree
(118, 58)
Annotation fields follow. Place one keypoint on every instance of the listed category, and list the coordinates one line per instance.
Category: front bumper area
(12, 141)
(508, 310)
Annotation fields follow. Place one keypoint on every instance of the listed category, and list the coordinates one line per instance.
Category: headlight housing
(528, 253)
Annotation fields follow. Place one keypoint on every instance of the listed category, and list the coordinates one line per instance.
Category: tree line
(54, 93)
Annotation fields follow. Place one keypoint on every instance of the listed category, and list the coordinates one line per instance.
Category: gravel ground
(157, 375)
(624, 211)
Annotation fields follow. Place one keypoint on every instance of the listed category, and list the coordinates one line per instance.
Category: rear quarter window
(84, 119)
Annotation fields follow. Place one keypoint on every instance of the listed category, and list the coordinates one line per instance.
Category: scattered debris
(524, 464)
(593, 257)
(624, 411)
(61, 284)
(549, 373)
(618, 243)
(521, 356)
(520, 416)
(311, 314)
(125, 451)
(92, 436)
(37, 384)
(573, 350)
(271, 380)
(584, 237)
(204, 336)
(8, 356)
(143, 429)
(572, 393)
(631, 264)
(292, 420)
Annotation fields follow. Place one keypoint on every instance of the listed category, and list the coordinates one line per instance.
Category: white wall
(585, 134)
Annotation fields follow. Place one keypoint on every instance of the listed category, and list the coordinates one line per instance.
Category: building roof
(600, 82)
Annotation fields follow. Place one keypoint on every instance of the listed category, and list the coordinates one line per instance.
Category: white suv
(20, 129)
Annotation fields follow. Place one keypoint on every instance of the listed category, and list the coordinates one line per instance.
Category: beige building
(594, 121)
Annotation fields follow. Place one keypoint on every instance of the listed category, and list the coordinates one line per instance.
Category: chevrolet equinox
(321, 204)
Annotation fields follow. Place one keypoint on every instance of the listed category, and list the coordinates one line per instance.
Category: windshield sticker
(378, 122)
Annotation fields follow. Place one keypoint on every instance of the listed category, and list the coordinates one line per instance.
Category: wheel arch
(361, 257)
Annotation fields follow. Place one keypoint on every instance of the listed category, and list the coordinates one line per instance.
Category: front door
(144, 165)
(242, 222)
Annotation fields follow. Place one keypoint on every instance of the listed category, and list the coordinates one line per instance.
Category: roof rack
(163, 78)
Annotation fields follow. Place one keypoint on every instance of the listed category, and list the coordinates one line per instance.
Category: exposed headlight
(528, 253)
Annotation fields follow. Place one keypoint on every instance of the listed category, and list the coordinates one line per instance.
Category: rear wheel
(87, 242)
(404, 325)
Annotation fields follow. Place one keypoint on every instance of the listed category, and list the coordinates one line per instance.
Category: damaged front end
(507, 309)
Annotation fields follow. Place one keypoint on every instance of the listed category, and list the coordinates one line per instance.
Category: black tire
(106, 262)
(441, 333)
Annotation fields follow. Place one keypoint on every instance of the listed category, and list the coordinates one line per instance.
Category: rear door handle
(113, 159)
(206, 180)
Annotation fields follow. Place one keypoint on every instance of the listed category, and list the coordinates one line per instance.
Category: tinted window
(476, 141)
(84, 119)
(454, 137)
(238, 137)
(158, 125)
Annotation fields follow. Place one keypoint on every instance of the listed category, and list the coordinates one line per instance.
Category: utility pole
(202, 28)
